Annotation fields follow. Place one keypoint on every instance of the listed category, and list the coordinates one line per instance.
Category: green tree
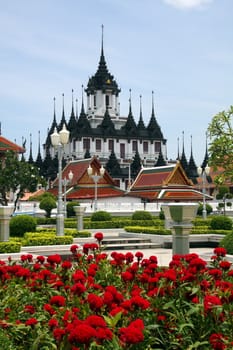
(221, 144)
(48, 203)
(16, 176)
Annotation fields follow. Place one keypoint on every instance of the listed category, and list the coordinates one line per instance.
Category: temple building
(121, 143)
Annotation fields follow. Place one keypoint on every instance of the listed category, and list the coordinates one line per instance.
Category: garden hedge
(10, 247)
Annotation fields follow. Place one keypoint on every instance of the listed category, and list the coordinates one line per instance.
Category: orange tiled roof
(89, 193)
(182, 195)
(152, 177)
(164, 183)
(7, 145)
(79, 170)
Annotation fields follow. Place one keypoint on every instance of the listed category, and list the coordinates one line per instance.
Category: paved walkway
(163, 255)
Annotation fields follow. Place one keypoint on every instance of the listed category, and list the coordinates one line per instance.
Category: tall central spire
(102, 41)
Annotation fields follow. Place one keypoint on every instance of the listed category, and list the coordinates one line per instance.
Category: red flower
(139, 255)
(66, 265)
(30, 309)
(129, 257)
(96, 321)
(31, 322)
(53, 323)
(140, 302)
(220, 251)
(127, 276)
(104, 334)
(198, 263)
(99, 236)
(54, 259)
(211, 301)
(169, 275)
(23, 272)
(58, 333)
(225, 265)
(132, 334)
(49, 309)
(57, 300)
(82, 334)
(40, 259)
(217, 341)
(27, 257)
(74, 248)
(78, 289)
(95, 301)
(79, 276)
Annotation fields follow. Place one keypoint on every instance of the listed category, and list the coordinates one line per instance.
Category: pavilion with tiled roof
(81, 187)
(165, 183)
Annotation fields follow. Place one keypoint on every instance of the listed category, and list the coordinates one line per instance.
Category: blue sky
(180, 49)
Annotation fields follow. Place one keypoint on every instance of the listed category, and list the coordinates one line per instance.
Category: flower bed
(122, 301)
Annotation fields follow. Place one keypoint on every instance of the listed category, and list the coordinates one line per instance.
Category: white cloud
(188, 4)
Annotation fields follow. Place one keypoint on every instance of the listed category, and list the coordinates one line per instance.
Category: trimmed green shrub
(201, 222)
(101, 216)
(227, 243)
(10, 247)
(149, 230)
(70, 209)
(38, 239)
(209, 209)
(221, 223)
(48, 204)
(141, 215)
(21, 224)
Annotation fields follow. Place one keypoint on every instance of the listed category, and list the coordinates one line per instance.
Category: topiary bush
(70, 209)
(48, 204)
(227, 243)
(101, 216)
(141, 215)
(21, 224)
(209, 209)
(221, 223)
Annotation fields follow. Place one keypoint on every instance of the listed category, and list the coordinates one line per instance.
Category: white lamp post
(95, 177)
(66, 182)
(203, 173)
(59, 140)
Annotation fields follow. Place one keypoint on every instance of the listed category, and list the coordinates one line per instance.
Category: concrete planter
(5, 215)
(179, 218)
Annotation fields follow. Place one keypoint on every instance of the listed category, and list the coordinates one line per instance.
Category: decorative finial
(102, 40)
(153, 110)
(140, 106)
(76, 105)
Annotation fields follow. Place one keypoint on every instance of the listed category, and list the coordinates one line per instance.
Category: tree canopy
(16, 176)
(220, 131)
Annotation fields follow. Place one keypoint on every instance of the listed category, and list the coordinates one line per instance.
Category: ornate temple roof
(168, 182)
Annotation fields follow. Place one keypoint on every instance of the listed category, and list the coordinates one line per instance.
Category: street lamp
(95, 177)
(66, 182)
(203, 172)
(59, 140)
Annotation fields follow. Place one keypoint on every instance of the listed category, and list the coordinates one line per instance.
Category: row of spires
(82, 125)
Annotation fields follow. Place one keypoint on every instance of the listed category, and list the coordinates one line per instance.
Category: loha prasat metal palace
(122, 144)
